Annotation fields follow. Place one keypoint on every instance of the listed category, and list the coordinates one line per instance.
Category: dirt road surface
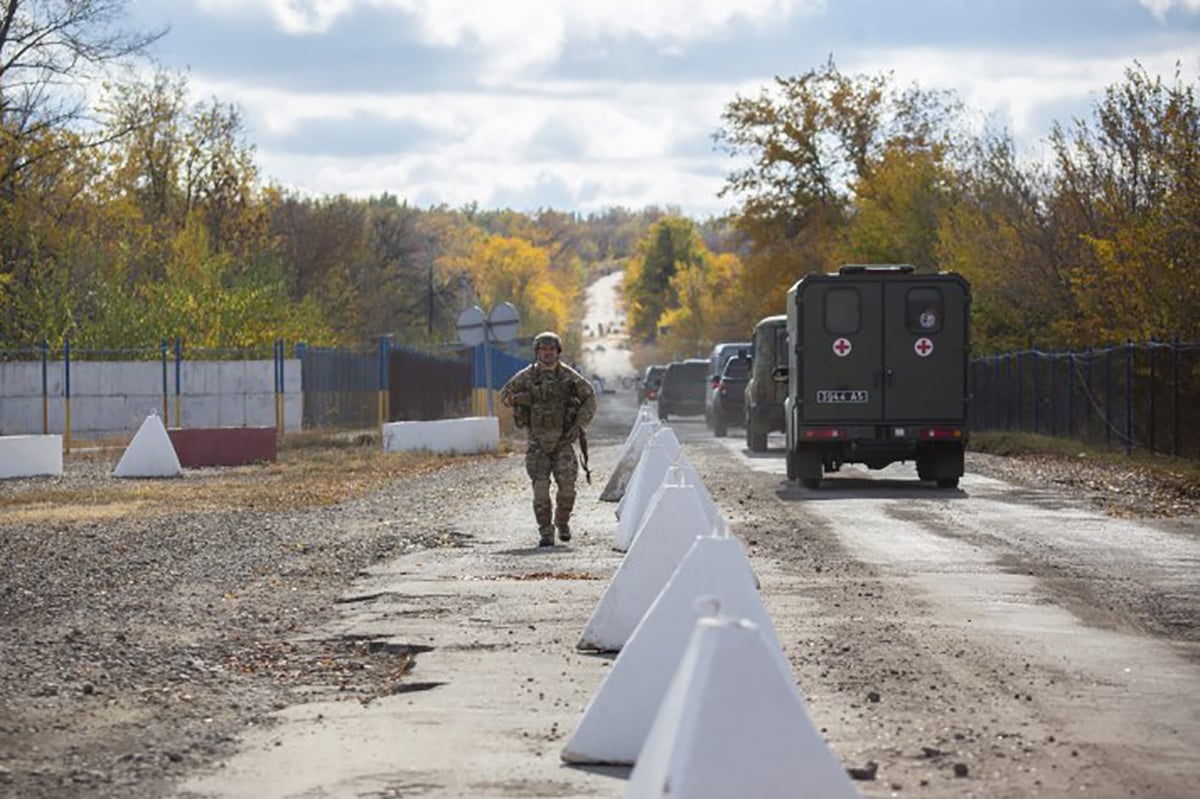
(994, 640)
(988, 641)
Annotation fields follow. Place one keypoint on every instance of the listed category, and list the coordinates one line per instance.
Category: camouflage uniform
(553, 404)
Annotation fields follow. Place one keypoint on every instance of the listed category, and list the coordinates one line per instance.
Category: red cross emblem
(842, 347)
(923, 347)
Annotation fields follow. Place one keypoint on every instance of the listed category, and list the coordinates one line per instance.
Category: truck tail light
(824, 433)
(941, 433)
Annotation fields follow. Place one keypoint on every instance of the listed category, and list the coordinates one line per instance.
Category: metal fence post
(1175, 446)
(178, 379)
(1128, 396)
(162, 346)
(1108, 396)
(67, 394)
(1020, 399)
(1153, 397)
(45, 387)
(1037, 400)
(1070, 394)
(1087, 390)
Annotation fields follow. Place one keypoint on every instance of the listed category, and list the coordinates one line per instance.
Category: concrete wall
(113, 398)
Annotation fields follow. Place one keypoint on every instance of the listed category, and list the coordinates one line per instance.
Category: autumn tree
(506, 269)
(833, 168)
(1128, 187)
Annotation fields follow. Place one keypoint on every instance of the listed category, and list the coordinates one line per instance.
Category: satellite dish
(472, 326)
(503, 322)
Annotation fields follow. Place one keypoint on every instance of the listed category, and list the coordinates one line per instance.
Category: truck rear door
(843, 350)
(924, 348)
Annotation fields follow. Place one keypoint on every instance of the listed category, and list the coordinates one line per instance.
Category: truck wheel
(806, 464)
(756, 441)
(720, 429)
(947, 482)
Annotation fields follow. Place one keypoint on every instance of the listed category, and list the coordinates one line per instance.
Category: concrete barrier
(224, 446)
(472, 434)
(31, 456)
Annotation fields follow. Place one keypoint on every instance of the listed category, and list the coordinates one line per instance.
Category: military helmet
(547, 337)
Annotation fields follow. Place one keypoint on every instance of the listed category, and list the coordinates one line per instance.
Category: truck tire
(807, 465)
(947, 482)
(756, 441)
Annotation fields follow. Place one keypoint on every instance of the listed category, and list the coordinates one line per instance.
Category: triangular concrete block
(663, 436)
(627, 460)
(688, 473)
(733, 724)
(150, 453)
(657, 457)
(618, 716)
(675, 517)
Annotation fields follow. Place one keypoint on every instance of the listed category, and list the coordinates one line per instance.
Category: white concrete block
(619, 715)
(627, 459)
(675, 517)
(471, 434)
(733, 724)
(31, 456)
(150, 453)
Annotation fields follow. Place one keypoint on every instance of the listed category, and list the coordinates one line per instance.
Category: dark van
(684, 385)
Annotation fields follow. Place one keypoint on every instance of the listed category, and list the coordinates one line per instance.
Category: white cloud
(515, 35)
(599, 102)
(1160, 8)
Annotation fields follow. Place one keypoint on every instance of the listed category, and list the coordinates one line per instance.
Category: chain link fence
(1143, 396)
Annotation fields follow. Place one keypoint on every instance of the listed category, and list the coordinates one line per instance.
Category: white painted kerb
(472, 434)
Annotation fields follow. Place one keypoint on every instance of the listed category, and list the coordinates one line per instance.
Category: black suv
(729, 395)
(684, 384)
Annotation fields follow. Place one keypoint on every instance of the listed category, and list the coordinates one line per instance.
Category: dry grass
(313, 469)
(1174, 477)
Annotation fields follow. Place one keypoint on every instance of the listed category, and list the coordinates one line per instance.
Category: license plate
(841, 397)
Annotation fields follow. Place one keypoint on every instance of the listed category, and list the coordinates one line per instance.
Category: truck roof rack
(858, 269)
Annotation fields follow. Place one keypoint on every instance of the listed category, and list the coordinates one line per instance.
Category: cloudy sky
(585, 104)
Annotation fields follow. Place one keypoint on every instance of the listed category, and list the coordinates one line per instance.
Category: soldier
(554, 403)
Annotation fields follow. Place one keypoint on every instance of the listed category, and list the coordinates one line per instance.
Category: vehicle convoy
(684, 384)
(877, 371)
(768, 385)
(720, 355)
(729, 395)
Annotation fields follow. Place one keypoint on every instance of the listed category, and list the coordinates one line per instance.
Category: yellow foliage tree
(506, 269)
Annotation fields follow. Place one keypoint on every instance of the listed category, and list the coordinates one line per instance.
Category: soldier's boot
(545, 530)
(562, 517)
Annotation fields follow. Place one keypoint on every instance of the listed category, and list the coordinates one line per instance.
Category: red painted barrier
(224, 446)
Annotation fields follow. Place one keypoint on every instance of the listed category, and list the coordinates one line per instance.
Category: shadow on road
(866, 488)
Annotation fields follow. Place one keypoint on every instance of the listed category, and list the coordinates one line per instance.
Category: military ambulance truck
(877, 372)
